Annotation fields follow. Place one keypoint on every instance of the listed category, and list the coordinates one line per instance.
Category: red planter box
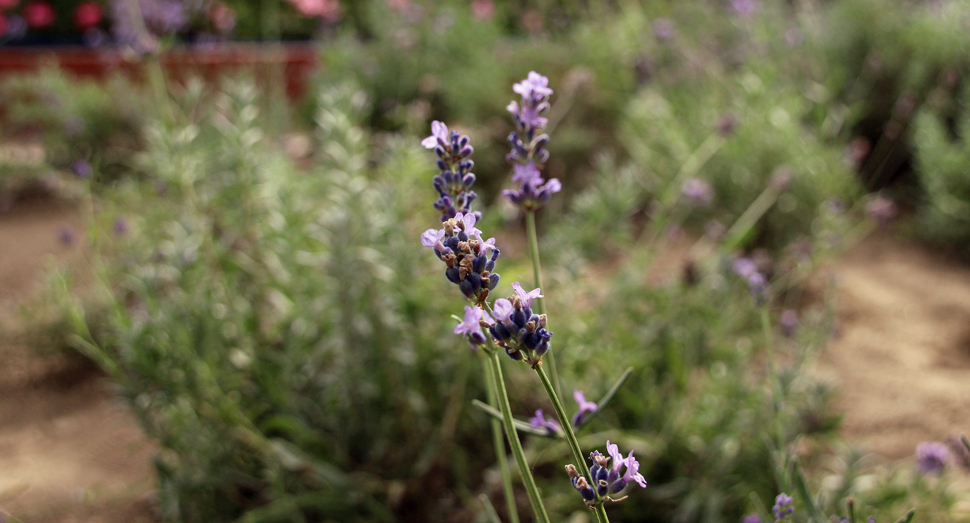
(298, 61)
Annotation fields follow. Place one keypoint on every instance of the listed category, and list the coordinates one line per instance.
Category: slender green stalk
(776, 403)
(500, 454)
(530, 225)
(502, 397)
(567, 428)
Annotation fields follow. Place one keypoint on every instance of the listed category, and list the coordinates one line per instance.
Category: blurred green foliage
(277, 328)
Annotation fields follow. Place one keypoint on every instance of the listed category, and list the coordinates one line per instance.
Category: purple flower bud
(585, 407)
(539, 421)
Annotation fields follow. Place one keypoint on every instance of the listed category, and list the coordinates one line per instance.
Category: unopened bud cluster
(455, 179)
(469, 263)
(517, 329)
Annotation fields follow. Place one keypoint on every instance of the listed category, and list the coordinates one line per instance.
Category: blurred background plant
(260, 299)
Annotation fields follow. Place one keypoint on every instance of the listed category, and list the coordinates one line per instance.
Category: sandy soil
(902, 358)
(70, 452)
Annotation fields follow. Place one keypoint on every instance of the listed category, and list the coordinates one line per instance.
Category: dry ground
(69, 451)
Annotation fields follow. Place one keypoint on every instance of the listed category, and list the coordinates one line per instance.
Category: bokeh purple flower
(539, 421)
(932, 457)
(585, 407)
(698, 192)
(783, 509)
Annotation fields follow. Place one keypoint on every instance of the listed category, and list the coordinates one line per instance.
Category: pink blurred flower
(223, 17)
(327, 9)
(3, 24)
(8, 4)
(87, 15)
(398, 5)
(483, 9)
(39, 13)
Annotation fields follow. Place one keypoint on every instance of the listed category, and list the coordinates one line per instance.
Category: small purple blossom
(744, 7)
(526, 297)
(751, 518)
(881, 209)
(698, 192)
(783, 508)
(439, 135)
(585, 407)
(121, 226)
(432, 238)
(471, 326)
(535, 86)
(502, 310)
(932, 458)
(663, 29)
(66, 235)
(82, 169)
(539, 421)
(788, 321)
(744, 267)
(525, 173)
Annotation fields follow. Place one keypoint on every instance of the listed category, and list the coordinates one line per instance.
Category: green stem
(775, 385)
(498, 382)
(567, 428)
(500, 454)
(530, 225)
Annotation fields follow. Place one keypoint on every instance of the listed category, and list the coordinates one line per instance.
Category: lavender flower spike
(455, 179)
(783, 508)
(585, 407)
(529, 153)
(609, 479)
(471, 326)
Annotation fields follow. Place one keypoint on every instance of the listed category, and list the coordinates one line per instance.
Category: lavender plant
(512, 325)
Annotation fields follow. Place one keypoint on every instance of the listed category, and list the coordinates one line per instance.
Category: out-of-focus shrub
(75, 119)
(943, 164)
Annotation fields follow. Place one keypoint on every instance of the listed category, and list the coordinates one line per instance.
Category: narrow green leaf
(909, 515)
(814, 514)
(489, 509)
(520, 426)
(608, 397)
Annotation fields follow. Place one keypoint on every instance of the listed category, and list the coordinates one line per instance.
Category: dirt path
(902, 359)
(69, 451)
